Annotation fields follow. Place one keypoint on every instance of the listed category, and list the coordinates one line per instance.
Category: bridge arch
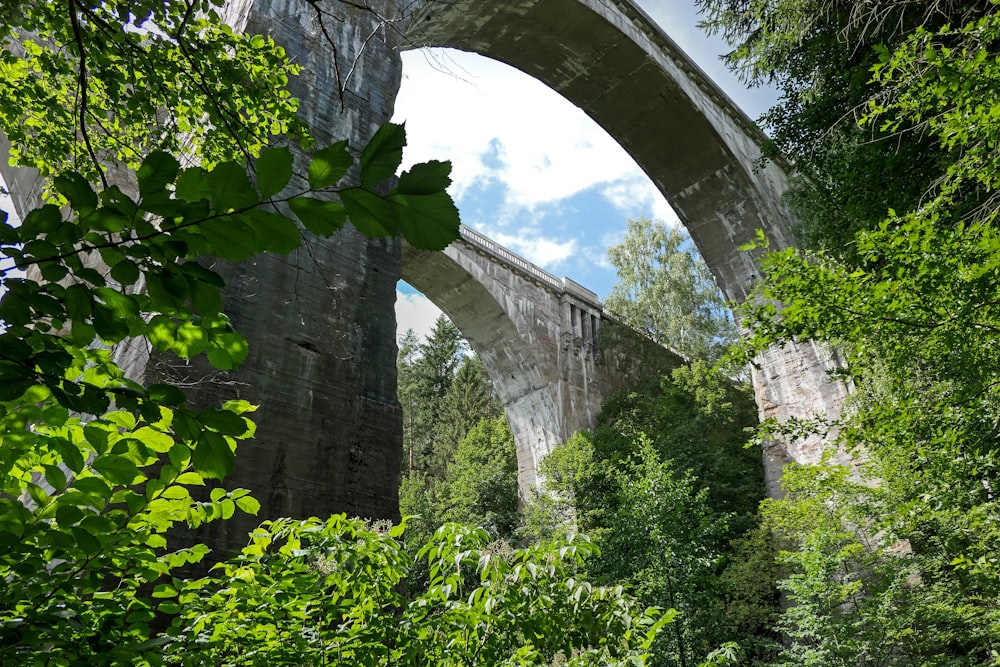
(611, 60)
(550, 351)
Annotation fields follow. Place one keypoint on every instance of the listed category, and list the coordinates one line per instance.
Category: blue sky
(530, 169)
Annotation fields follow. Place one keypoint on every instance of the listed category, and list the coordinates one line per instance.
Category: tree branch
(82, 80)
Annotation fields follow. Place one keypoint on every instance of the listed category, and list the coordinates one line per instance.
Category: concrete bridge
(320, 322)
(552, 352)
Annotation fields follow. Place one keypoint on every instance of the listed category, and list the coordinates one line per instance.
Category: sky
(532, 171)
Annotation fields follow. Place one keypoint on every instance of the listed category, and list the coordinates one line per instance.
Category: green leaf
(428, 222)
(116, 469)
(167, 394)
(381, 157)
(78, 302)
(227, 351)
(248, 504)
(231, 188)
(370, 214)
(274, 171)
(53, 272)
(206, 299)
(156, 171)
(109, 327)
(77, 190)
(329, 165)
(40, 221)
(273, 232)
(192, 185)
(223, 421)
(68, 515)
(164, 591)
(320, 216)
(87, 542)
(189, 340)
(199, 272)
(213, 457)
(229, 237)
(125, 272)
(123, 306)
(55, 477)
(426, 178)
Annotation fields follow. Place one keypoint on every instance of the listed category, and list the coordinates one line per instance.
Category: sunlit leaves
(329, 165)
(169, 88)
(427, 221)
(381, 157)
(342, 577)
(320, 216)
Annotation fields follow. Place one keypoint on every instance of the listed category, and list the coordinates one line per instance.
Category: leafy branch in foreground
(328, 592)
(89, 85)
(95, 468)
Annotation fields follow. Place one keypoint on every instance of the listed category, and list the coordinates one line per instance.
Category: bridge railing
(558, 285)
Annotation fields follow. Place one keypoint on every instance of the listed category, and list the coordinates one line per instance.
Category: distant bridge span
(552, 353)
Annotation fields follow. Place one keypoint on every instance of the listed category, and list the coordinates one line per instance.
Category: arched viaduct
(552, 352)
(320, 322)
(610, 59)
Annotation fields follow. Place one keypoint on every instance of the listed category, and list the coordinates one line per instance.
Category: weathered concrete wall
(549, 351)
(320, 322)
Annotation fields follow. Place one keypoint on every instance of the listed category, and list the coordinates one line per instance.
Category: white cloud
(497, 124)
(637, 197)
(415, 311)
(545, 252)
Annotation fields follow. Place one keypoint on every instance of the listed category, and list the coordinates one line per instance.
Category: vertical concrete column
(24, 185)
(320, 322)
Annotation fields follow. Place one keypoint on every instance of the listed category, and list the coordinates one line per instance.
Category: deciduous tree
(665, 289)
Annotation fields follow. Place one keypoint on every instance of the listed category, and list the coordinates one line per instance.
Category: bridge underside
(611, 60)
(551, 355)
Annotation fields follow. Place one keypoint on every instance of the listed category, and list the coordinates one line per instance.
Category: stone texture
(320, 322)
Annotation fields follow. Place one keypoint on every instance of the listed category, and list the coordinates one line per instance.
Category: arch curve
(611, 60)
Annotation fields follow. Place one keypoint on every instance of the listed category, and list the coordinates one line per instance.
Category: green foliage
(700, 419)
(327, 592)
(819, 54)
(481, 487)
(665, 289)
(855, 591)
(459, 457)
(426, 372)
(902, 570)
(668, 491)
(133, 78)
